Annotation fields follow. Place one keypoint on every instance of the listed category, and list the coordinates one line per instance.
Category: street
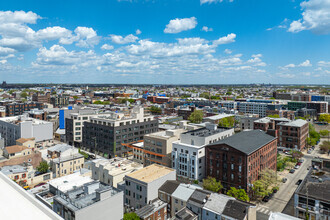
(281, 198)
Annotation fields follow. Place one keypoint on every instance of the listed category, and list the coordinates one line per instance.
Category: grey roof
(236, 209)
(185, 214)
(247, 141)
(60, 148)
(149, 209)
(169, 186)
(217, 202)
(295, 123)
(184, 191)
(199, 197)
(7, 170)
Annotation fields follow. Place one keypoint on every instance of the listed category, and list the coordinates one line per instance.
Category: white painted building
(188, 154)
(22, 126)
(253, 108)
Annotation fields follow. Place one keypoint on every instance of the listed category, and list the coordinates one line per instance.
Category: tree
(75, 97)
(325, 146)
(324, 117)
(196, 116)
(259, 189)
(24, 94)
(238, 194)
(155, 110)
(210, 183)
(274, 116)
(131, 216)
(43, 167)
(324, 133)
(297, 154)
(227, 122)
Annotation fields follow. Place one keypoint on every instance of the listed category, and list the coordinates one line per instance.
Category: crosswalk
(263, 209)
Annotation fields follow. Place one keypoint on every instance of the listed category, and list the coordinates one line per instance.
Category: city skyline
(165, 42)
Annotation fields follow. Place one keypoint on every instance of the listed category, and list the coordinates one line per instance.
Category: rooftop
(7, 170)
(220, 116)
(247, 141)
(205, 132)
(15, 149)
(60, 148)
(169, 186)
(318, 187)
(149, 209)
(199, 197)
(117, 165)
(185, 214)
(236, 209)
(150, 173)
(23, 140)
(295, 123)
(184, 191)
(217, 202)
(67, 182)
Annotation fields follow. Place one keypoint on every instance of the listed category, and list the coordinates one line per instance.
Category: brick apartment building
(185, 112)
(13, 109)
(238, 160)
(290, 134)
(293, 134)
(37, 97)
(158, 99)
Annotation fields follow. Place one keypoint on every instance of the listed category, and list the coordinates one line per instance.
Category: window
(23, 175)
(176, 201)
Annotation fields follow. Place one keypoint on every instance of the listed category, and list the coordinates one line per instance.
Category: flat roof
(150, 173)
(295, 123)
(220, 116)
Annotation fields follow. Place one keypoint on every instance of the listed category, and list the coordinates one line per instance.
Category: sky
(165, 41)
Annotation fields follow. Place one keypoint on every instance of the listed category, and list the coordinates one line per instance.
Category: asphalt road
(282, 197)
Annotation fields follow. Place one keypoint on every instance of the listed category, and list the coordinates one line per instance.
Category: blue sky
(165, 41)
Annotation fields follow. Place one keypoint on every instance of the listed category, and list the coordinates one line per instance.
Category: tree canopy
(238, 194)
(227, 122)
(210, 183)
(156, 110)
(196, 116)
(324, 117)
(43, 167)
(274, 116)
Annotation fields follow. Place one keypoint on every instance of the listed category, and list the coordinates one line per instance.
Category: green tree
(238, 194)
(324, 133)
(210, 183)
(75, 97)
(43, 167)
(24, 94)
(131, 216)
(324, 117)
(196, 116)
(259, 189)
(227, 122)
(156, 110)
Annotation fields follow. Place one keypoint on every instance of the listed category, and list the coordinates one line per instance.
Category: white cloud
(178, 25)
(53, 33)
(291, 65)
(107, 47)
(306, 63)
(315, 17)
(123, 40)
(212, 1)
(256, 60)
(87, 37)
(228, 51)
(230, 61)
(6, 50)
(324, 63)
(286, 75)
(138, 32)
(206, 29)
(230, 38)
(18, 17)
(58, 55)
(307, 74)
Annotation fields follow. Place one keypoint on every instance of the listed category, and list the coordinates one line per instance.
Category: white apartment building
(188, 154)
(229, 104)
(112, 171)
(253, 108)
(22, 126)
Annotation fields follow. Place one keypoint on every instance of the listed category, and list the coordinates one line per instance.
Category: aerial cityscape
(165, 110)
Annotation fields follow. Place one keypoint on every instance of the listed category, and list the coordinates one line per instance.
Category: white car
(296, 167)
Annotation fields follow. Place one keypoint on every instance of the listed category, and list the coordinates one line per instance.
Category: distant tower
(4, 84)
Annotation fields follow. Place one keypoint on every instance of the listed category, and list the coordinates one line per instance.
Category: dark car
(266, 199)
(284, 180)
(298, 182)
(292, 171)
(40, 184)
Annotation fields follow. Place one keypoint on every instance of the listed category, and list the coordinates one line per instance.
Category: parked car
(298, 182)
(309, 151)
(275, 190)
(266, 199)
(301, 160)
(296, 167)
(26, 187)
(40, 184)
(284, 180)
(292, 170)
